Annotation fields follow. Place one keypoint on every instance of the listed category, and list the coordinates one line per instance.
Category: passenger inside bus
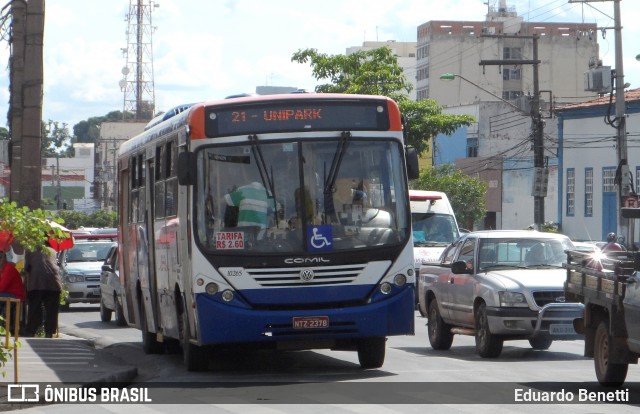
(251, 202)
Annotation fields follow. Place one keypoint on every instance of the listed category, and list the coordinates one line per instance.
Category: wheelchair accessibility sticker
(319, 238)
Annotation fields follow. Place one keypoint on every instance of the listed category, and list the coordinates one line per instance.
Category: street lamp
(452, 76)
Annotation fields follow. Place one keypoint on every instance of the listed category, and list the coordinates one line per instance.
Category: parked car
(589, 247)
(110, 289)
(80, 268)
(499, 285)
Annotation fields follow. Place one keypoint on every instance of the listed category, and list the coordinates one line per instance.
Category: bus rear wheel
(194, 357)
(371, 352)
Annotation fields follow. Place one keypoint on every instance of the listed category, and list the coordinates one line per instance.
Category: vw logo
(306, 275)
(560, 299)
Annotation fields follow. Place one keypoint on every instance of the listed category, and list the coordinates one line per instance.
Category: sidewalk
(66, 359)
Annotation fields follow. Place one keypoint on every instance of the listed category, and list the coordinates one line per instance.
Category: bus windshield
(300, 196)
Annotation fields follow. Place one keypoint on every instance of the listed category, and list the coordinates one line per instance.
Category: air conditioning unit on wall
(598, 79)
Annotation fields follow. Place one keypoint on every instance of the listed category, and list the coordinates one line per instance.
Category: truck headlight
(73, 278)
(512, 299)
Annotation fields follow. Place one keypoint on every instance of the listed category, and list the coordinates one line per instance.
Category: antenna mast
(137, 81)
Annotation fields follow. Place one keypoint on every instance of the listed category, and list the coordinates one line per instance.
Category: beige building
(404, 51)
(565, 52)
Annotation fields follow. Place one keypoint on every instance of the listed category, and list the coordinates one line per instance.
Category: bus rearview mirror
(186, 168)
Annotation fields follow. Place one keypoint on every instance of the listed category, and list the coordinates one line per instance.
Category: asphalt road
(412, 370)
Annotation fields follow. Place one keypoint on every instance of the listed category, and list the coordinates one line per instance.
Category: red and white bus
(273, 221)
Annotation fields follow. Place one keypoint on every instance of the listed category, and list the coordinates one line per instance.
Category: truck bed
(602, 282)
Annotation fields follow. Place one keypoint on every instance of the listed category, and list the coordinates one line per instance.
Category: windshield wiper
(337, 162)
(498, 265)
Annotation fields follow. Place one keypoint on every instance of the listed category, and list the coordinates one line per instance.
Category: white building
(68, 183)
(587, 201)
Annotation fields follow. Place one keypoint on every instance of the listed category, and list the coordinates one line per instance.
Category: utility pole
(25, 116)
(624, 178)
(537, 126)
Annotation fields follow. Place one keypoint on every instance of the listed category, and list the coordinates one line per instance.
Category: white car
(111, 289)
(499, 285)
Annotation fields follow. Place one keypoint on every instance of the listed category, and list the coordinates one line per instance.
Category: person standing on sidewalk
(43, 291)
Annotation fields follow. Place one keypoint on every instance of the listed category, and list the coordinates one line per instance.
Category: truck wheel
(440, 336)
(194, 357)
(541, 342)
(371, 352)
(608, 374)
(149, 343)
(487, 344)
(105, 313)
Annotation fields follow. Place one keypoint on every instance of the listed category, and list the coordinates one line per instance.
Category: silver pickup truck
(499, 285)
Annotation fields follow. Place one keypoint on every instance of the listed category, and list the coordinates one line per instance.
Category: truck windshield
(295, 197)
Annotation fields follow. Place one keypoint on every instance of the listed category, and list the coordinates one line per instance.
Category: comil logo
(23, 393)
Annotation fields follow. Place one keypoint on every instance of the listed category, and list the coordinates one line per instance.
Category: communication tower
(137, 81)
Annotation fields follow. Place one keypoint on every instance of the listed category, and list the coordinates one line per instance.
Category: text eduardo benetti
(583, 395)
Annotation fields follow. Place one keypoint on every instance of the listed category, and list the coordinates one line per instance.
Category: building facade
(565, 52)
(112, 135)
(587, 198)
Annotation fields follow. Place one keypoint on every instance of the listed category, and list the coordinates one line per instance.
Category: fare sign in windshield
(296, 116)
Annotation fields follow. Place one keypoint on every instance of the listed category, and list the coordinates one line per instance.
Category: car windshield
(88, 252)
(523, 252)
(431, 229)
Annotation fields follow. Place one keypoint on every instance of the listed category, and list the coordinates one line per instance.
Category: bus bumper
(222, 323)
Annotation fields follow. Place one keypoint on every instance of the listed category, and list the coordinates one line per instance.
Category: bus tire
(194, 357)
(371, 352)
(149, 343)
(608, 374)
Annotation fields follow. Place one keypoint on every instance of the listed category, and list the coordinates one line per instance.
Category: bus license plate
(561, 329)
(310, 322)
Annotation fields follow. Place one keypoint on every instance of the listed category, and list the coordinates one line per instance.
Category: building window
(512, 53)
(422, 94)
(511, 74)
(571, 192)
(588, 192)
(608, 180)
(472, 147)
(511, 95)
(637, 180)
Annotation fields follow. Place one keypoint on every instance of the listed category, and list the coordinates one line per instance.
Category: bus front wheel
(371, 352)
(195, 358)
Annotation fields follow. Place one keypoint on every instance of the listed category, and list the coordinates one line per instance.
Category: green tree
(465, 193)
(56, 141)
(100, 218)
(4, 134)
(88, 131)
(424, 120)
(377, 72)
(367, 72)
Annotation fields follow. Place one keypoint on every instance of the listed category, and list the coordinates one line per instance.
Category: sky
(209, 49)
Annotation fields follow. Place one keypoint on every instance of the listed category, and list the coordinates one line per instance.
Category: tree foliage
(377, 72)
(466, 194)
(88, 131)
(29, 227)
(100, 218)
(424, 120)
(367, 72)
(56, 140)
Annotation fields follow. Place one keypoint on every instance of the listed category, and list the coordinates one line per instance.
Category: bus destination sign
(296, 116)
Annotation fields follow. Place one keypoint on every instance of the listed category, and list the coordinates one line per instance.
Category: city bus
(278, 222)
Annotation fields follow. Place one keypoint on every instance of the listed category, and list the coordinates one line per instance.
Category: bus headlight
(385, 288)
(410, 272)
(212, 288)
(400, 280)
(227, 295)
